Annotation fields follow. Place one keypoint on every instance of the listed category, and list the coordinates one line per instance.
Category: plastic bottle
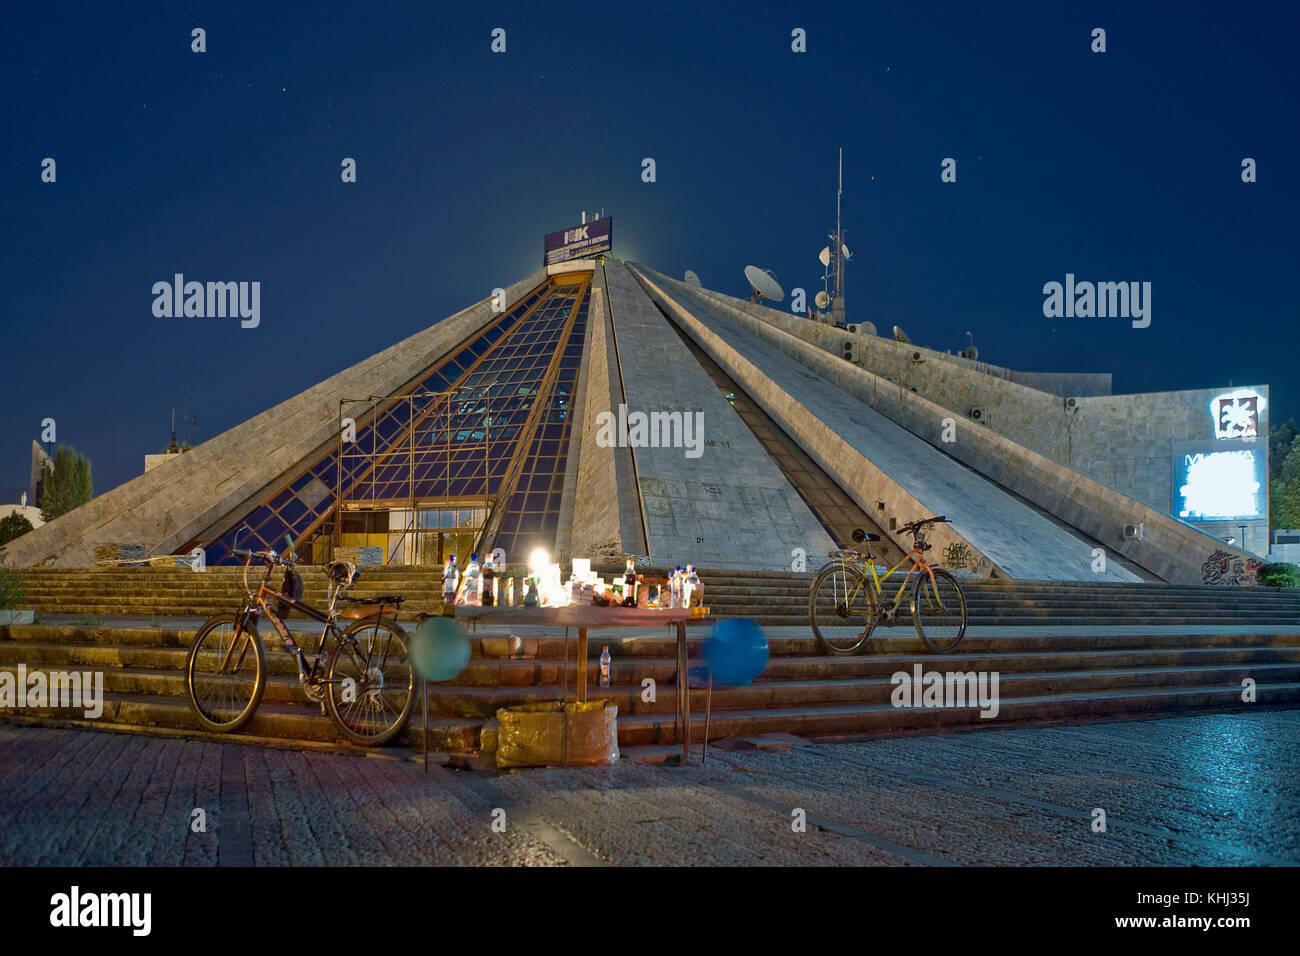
(629, 585)
(450, 578)
(473, 581)
(604, 667)
(489, 583)
(675, 588)
(695, 594)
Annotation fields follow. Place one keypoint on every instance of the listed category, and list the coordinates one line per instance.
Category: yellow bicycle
(846, 603)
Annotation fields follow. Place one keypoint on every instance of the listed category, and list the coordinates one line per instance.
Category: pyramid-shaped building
(600, 409)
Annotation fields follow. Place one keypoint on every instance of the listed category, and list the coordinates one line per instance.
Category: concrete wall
(1171, 549)
(731, 507)
(181, 499)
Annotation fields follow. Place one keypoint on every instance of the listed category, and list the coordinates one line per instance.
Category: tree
(1280, 441)
(1284, 492)
(12, 525)
(67, 484)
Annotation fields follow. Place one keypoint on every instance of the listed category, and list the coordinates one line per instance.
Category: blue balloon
(737, 651)
(439, 649)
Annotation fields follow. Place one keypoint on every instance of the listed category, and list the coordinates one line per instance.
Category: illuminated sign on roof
(1236, 414)
(589, 239)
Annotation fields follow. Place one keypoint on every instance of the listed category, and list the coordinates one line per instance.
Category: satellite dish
(692, 278)
(825, 256)
(866, 328)
(822, 300)
(845, 249)
(901, 336)
(764, 285)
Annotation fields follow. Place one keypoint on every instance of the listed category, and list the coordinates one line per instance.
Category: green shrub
(12, 526)
(1281, 575)
(12, 592)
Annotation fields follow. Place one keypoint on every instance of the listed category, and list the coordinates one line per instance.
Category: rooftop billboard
(589, 239)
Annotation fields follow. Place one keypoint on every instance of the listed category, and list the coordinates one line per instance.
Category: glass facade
(451, 443)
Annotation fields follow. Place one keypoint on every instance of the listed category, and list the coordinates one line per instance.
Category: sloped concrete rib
(606, 521)
(729, 507)
(182, 498)
(1169, 548)
(851, 440)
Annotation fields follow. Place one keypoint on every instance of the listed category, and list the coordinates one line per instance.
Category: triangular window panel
(481, 438)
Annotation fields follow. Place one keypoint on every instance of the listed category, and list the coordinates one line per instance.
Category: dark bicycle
(365, 682)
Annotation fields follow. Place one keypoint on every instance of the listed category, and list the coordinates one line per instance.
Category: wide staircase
(116, 622)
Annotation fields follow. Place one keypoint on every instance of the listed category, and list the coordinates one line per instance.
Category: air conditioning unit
(917, 358)
(853, 329)
(1071, 403)
(977, 414)
(1134, 531)
(851, 350)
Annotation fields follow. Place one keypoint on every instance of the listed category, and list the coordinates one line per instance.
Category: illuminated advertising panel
(1222, 480)
(590, 239)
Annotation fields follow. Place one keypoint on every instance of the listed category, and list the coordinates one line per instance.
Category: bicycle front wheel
(369, 682)
(841, 609)
(225, 674)
(939, 609)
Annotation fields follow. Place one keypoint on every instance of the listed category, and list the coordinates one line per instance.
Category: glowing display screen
(1214, 483)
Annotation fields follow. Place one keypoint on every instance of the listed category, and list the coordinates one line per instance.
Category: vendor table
(587, 617)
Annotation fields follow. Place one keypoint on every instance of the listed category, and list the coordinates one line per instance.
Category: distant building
(1285, 547)
(28, 511)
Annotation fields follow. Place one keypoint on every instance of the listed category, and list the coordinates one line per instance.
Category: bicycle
(366, 684)
(845, 604)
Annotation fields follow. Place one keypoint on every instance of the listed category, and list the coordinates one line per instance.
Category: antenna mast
(837, 303)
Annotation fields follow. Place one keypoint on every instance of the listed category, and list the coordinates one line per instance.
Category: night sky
(225, 166)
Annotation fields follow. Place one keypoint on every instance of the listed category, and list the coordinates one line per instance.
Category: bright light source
(1220, 485)
(539, 560)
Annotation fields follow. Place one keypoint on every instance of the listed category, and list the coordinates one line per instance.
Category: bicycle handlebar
(916, 526)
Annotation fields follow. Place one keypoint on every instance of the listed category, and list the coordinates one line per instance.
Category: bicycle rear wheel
(939, 609)
(369, 682)
(225, 674)
(841, 609)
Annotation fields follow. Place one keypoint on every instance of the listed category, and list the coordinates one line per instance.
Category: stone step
(485, 701)
(293, 721)
(900, 640)
(859, 719)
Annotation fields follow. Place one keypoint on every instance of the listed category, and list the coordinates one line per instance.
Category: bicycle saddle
(860, 535)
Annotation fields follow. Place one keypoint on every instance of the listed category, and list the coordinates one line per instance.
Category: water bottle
(604, 667)
(473, 582)
(450, 578)
(694, 594)
(675, 588)
(489, 583)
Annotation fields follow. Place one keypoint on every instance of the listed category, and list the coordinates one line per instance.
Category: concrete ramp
(1012, 535)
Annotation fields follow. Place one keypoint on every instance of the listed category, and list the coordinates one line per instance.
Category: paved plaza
(1206, 790)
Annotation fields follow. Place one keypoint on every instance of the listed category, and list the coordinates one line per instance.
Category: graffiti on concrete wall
(1229, 569)
(957, 555)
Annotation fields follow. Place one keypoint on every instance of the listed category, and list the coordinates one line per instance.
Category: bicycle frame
(262, 602)
(918, 563)
(917, 557)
